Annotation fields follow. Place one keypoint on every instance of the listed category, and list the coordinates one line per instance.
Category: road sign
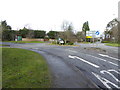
(88, 36)
(97, 33)
(93, 34)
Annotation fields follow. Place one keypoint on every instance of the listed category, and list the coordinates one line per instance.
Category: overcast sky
(49, 14)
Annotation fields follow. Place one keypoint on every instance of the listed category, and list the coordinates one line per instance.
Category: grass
(85, 42)
(61, 45)
(3, 45)
(0, 67)
(113, 44)
(25, 41)
(24, 69)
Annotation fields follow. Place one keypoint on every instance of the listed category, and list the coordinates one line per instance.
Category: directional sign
(97, 33)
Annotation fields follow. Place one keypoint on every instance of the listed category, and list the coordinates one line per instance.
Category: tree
(111, 32)
(112, 24)
(30, 34)
(7, 33)
(85, 27)
(23, 32)
(52, 34)
(0, 31)
(80, 36)
(68, 34)
(39, 34)
(5, 26)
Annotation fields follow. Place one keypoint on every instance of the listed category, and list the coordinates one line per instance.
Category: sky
(50, 14)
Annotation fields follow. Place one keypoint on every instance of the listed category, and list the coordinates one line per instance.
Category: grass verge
(4, 45)
(84, 42)
(61, 45)
(24, 69)
(113, 44)
(25, 41)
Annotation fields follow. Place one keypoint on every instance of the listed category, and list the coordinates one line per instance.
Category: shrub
(70, 43)
(54, 42)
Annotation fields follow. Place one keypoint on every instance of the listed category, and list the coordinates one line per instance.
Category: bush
(54, 42)
(70, 43)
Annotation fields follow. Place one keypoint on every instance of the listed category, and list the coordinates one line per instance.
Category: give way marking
(92, 64)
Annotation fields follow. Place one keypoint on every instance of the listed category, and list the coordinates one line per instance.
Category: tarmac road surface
(81, 66)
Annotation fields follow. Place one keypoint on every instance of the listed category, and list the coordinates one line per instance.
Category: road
(81, 66)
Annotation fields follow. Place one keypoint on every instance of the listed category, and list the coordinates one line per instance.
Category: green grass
(4, 45)
(85, 42)
(113, 44)
(24, 69)
(25, 41)
(0, 67)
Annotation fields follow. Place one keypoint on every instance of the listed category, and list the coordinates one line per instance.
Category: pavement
(81, 66)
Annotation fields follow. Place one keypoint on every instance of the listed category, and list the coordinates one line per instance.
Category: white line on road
(105, 81)
(114, 71)
(72, 51)
(109, 57)
(73, 57)
(104, 60)
(113, 63)
(103, 71)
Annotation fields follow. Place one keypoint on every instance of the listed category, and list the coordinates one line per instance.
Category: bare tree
(68, 34)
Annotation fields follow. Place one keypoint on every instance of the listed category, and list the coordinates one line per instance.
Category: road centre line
(109, 57)
(92, 64)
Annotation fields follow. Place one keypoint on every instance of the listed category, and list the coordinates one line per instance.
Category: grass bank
(25, 41)
(24, 69)
(113, 44)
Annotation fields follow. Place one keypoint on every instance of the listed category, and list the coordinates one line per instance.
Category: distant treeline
(7, 34)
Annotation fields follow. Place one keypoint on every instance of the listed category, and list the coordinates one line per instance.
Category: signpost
(92, 34)
(97, 32)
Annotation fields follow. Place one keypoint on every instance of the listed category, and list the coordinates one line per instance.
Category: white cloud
(49, 14)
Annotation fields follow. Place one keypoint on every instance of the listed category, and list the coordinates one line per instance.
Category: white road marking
(103, 71)
(113, 63)
(98, 58)
(71, 51)
(105, 81)
(35, 48)
(114, 71)
(109, 57)
(104, 60)
(73, 57)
